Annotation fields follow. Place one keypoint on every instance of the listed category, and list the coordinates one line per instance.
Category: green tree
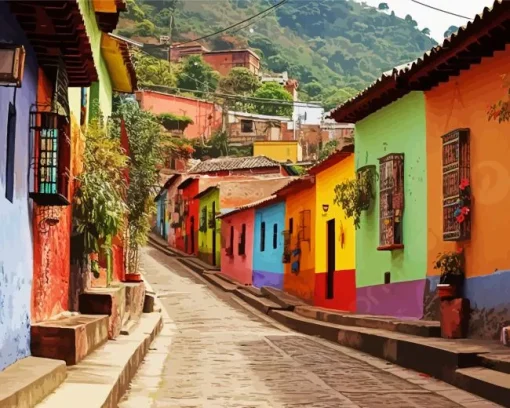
(145, 28)
(452, 29)
(426, 31)
(338, 97)
(196, 75)
(152, 71)
(272, 90)
(240, 81)
(383, 6)
(313, 89)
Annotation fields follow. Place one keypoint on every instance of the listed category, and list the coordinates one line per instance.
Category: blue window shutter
(11, 140)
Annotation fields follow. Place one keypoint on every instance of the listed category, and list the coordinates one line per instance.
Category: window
(456, 171)
(203, 220)
(230, 248)
(247, 126)
(52, 158)
(275, 236)
(9, 168)
(305, 217)
(391, 206)
(241, 250)
(262, 237)
(291, 225)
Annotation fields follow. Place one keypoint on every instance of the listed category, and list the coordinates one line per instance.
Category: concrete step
(254, 291)
(70, 338)
(191, 265)
(230, 280)
(284, 299)
(163, 248)
(106, 301)
(436, 357)
(415, 327)
(487, 383)
(496, 361)
(29, 381)
(212, 278)
(260, 303)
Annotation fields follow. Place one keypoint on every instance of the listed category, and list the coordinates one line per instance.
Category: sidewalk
(481, 367)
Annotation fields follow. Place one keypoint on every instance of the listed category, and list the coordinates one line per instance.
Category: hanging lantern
(12, 64)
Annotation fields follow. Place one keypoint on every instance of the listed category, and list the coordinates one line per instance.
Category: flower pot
(446, 291)
(133, 277)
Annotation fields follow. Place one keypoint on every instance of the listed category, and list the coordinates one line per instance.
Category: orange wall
(462, 103)
(206, 116)
(301, 284)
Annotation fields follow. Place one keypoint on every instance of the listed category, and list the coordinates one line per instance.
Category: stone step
(436, 357)
(260, 303)
(496, 361)
(70, 338)
(106, 301)
(29, 381)
(222, 284)
(284, 299)
(230, 280)
(254, 291)
(191, 265)
(487, 383)
(415, 327)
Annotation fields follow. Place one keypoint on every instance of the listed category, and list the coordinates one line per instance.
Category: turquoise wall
(397, 128)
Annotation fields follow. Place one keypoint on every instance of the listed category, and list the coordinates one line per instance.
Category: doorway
(213, 218)
(331, 260)
(192, 235)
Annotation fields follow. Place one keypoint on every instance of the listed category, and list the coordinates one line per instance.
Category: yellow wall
(301, 284)
(325, 183)
(279, 150)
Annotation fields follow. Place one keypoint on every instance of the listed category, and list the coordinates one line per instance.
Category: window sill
(393, 247)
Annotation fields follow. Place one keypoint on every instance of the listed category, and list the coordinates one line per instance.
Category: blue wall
(267, 264)
(16, 256)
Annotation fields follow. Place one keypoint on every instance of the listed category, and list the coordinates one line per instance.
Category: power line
(441, 10)
(281, 3)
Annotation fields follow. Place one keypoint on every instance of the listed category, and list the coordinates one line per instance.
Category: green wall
(397, 128)
(205, 239)
(101, 92)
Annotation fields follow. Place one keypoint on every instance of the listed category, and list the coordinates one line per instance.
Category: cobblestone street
(215, 351)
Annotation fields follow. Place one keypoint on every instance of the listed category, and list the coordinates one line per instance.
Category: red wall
(344, 289)
(190, 191)
(206, 116)
(52, 250)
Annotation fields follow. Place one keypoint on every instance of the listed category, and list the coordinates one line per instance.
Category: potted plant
(451, 265)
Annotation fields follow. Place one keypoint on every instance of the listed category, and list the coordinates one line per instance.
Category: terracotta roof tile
(233, 163)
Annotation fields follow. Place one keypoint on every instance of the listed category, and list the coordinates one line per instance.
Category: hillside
(326, 44)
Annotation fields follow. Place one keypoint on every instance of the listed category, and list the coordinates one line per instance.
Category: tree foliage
(152, 71)
(272, 90)
(452, 29)
(174, 122)
(99, 208)
(383, 6)
(336, 43)
(196, 75)
(239, 81)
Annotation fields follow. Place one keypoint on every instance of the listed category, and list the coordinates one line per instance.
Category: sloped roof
(334, 158)
(487, 33)
(264, 201)
(233, 163)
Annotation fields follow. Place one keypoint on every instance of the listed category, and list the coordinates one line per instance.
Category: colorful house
(225, 196)
(279, 150)
(268, 244)
(241, 166)
(319, 240)
(391, 249)
(465, 147)
(335, 242)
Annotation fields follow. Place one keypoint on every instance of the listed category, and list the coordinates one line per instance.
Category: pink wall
(238, 267)
(206, 115)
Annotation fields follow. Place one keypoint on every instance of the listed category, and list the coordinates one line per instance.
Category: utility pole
(170, 42)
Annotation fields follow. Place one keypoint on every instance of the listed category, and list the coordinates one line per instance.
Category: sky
(436, 21)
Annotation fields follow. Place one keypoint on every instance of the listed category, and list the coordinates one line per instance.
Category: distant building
(222, 61)
(280, 150)
(246, 128)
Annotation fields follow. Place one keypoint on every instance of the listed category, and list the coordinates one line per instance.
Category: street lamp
(12, 64)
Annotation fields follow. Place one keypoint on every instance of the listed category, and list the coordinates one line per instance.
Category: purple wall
(16, 255)
(400, 299)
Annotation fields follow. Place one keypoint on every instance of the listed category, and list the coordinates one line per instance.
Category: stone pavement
(217, 352)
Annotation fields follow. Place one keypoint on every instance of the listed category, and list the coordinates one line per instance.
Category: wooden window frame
(241, 248)
(391, 202)
(455, 152)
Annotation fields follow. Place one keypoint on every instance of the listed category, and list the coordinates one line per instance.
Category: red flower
(459, 250)
(460, 218)
(464, 210)
(463, 184)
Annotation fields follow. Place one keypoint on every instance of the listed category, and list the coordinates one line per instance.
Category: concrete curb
(102, 378)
